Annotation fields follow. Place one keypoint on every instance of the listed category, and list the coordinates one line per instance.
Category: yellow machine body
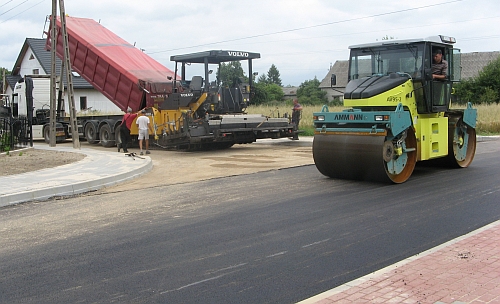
(397, 113)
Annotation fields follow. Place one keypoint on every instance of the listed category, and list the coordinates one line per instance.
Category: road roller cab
(397, 114)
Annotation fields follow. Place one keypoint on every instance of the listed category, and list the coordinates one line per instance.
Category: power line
(21, 11)
(312, 26)
(6, 3)
(391, 29)
(12, 8)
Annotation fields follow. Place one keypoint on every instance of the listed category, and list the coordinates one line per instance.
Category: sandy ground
(173, 167)
(18, 162)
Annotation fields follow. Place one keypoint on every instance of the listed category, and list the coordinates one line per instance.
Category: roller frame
(364, 121)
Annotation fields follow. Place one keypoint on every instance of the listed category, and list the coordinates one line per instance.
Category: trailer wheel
(46, 134)
(106, 136)
(118, 139)
(91, 133)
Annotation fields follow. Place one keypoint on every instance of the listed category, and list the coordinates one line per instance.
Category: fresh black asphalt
(274, 237)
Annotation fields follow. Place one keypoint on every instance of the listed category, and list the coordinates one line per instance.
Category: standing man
(127, 120)
(296, 113)
(144, 128)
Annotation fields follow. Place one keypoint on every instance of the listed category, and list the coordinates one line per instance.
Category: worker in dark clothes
(127, 120)
(296, 114)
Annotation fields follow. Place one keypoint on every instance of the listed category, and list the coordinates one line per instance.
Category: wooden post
(69, 79)
(53, 34)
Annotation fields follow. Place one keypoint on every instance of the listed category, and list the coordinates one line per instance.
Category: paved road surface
(272, 237)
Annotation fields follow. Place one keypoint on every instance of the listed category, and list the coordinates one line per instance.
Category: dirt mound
(18, 162)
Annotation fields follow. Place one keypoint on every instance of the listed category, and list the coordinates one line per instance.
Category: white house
(34, 60)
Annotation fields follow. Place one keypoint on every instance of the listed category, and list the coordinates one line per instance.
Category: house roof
(472, 64)
(43, 56)
(340, 69)
(12, 80)
(290, 91)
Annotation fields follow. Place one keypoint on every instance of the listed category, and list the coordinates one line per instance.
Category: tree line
(268, 87)
(482, 89)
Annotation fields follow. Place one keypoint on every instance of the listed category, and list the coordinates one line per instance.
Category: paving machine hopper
(398, 114)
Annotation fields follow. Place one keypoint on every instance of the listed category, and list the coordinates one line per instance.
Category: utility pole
(53, 37)
(65, 67)
(69, 79)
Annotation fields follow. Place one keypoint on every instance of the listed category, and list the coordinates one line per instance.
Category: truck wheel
(46, 134)
(107, 138)
(118, 139)
(91, 133)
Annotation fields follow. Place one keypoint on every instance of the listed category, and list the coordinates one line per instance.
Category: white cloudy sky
(301, 37)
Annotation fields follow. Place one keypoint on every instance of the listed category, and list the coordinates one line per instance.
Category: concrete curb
(96, 171)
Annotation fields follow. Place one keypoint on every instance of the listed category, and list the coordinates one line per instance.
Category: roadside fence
(14, 133)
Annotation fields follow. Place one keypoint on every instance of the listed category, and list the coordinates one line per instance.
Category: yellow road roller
(397, 102)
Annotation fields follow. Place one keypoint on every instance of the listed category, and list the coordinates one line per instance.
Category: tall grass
(488, 119)
(488, 116)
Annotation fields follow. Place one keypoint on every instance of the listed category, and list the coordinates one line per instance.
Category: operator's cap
(129, 109)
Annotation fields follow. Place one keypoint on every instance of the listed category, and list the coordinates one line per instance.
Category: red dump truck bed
(120, 71)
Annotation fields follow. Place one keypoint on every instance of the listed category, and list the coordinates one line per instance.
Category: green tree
(7, 72)
(260, 94)
(482, 89)
(274, 92)
(230, 72)
(309, 93)
(262, 79)
(265, 93)
(273, 75)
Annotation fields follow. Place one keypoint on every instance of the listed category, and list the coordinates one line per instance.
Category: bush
(274, 92)
(309, 93)
(260, 95)
(488, 96)
(483, 89)
(265, 93)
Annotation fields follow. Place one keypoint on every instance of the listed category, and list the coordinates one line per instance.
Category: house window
(36, 71)
(31, 57)
(83, 102)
